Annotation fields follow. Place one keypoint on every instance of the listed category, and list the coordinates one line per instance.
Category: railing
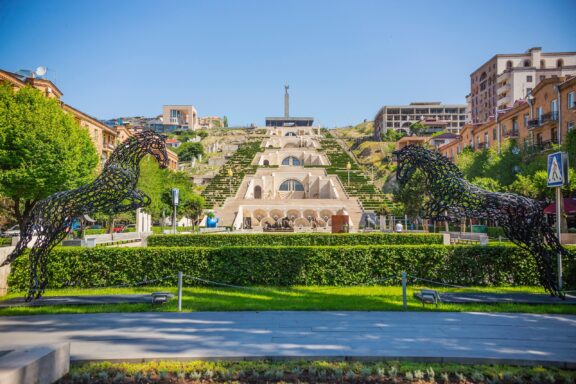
(483, 146)
(543, 119)
(512, 133)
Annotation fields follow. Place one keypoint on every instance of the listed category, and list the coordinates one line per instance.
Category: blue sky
(342, 59)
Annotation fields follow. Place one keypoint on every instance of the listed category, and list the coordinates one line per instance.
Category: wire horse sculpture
(113, 191)
(452, 197)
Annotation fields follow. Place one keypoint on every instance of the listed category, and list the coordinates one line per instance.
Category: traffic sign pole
(559, 233)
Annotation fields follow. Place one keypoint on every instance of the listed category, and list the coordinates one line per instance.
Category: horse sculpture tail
(25, 237)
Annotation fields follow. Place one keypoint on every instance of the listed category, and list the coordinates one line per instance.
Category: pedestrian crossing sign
(557, 169)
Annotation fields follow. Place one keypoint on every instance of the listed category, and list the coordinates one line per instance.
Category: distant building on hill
(399, 117)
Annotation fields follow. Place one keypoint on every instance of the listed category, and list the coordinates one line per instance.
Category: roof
(172, 141)
(446, 135)
(289, 118)
(569, 206)
(90, 118)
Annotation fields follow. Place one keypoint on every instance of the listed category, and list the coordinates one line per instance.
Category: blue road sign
(557, 169)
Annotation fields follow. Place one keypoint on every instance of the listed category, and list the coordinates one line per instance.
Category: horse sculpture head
(154, 144)
(413, 157)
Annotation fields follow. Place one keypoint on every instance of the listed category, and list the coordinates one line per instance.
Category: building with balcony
(451, 117)
(183, 117)
(506, 78)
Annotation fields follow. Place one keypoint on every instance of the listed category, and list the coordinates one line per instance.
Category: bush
(300, 239)
(284, 266)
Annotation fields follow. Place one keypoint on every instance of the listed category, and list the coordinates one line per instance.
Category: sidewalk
(466, 337)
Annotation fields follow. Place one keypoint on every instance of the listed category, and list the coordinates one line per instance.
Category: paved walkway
(490, 336)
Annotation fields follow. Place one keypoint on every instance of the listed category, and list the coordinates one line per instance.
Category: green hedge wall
(299, 239)
(284, 266)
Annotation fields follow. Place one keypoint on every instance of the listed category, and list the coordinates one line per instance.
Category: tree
(188, 150)
(43, 149)
(414, 195)
(225, 121)
(417, 128)
(487, 183)
(203, 134)
(392, 135)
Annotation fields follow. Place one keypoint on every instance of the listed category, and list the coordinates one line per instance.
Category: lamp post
(348, 167)
(230, 174)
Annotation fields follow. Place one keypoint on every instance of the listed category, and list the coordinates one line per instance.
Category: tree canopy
(43, 149)
(189, 150)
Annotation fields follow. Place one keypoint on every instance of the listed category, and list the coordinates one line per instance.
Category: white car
(12, 231)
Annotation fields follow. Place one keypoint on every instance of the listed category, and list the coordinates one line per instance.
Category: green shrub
(300, 239)
(284, 266)
(5, 241)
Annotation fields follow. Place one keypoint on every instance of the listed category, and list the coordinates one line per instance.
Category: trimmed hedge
(284, 266)
(296, 239)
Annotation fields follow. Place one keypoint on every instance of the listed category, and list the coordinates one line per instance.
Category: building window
(570, 126)
(509, 64)
(542, 64)
(540, 114)
(554, 107)
(571, 102)
(515, 125)
(291, 160)
(291, 185)
(494, 133)
(526, 120)
(542, 77)
(527, 63)
(559, 63)
(529, 79)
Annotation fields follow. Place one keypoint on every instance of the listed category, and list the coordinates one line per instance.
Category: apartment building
(400, 117)
(506, 78)
(104, 137)
(183, 117)
(543, 119)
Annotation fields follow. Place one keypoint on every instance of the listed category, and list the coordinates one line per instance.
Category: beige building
(104, 137)
(506, 78)
(180, 117)
(209, 122)
(399, 117)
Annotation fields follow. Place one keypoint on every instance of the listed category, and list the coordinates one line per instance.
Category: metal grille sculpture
(114, 191)
(452, 197)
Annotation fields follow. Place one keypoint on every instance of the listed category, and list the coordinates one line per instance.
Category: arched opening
(257, 192)
(291, 160)
(542, 64)
(509, 64)
(527, 63)
(290, 134)
(559, 63)
(266, 162)
(291, 185)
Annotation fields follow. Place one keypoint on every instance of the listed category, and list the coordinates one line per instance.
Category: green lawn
(300, 298)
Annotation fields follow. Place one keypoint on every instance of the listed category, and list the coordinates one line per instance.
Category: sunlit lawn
(299, 298)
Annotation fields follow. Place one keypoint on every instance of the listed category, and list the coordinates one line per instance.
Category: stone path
(434, 336)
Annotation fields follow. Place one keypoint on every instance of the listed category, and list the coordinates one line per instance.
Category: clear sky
(342, 59)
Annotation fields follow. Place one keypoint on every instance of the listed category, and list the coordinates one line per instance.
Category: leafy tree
(188, 150)
(413, 196)
(43, 149)
(203, 134)
(487, 183)
(417, 128)
(225, 120)
(392, 135)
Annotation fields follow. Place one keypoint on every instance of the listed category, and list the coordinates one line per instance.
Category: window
(291, 185)
(540, 114)
(527, 63)
(542, 77)
(515, 125)
(554, 106)
(542, 64)
(290, 134)
(529, 79)
(571, 103)
(291, 160)
(526, 120)
(570, 126)
(508, 64)
(494, 133)
(486, 139)
(559, 63)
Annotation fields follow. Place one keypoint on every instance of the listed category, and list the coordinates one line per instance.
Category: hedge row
(293, 239)
(284, 266)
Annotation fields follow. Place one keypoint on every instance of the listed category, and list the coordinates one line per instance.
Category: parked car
(12, 231)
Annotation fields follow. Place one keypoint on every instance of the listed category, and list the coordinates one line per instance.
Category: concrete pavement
(467, 337)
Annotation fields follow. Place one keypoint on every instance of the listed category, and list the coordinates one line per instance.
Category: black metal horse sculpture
(113, 191)
(452, 197)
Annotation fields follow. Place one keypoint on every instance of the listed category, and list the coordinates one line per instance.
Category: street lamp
(230, 174)
(348, 167)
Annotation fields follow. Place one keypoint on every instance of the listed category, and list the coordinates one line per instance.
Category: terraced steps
(222, 185)
(360, 185)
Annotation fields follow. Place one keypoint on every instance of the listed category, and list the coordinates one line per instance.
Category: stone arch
(290, 185)
(266, 162)
(257, 192)
(291, 160)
